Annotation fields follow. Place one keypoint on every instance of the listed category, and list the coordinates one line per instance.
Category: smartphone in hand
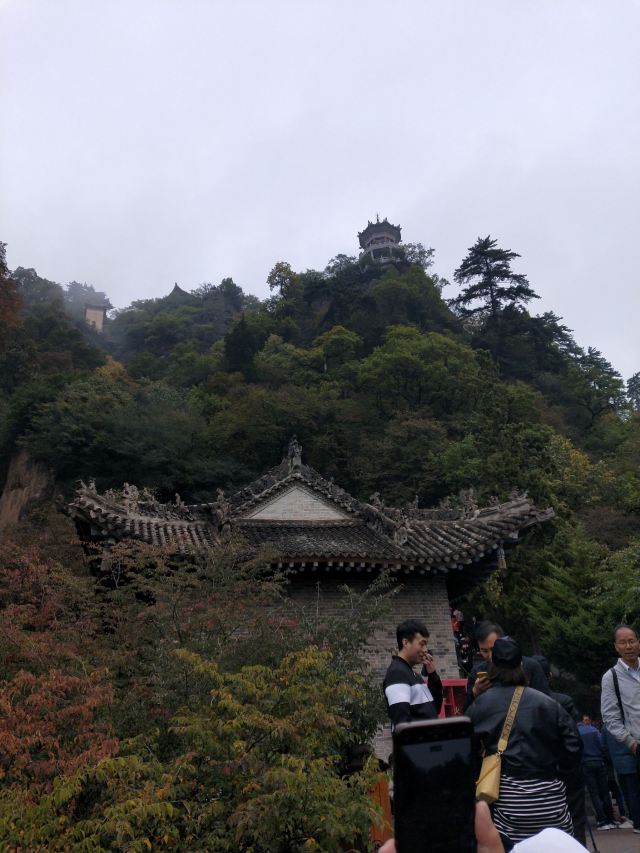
(434, 786)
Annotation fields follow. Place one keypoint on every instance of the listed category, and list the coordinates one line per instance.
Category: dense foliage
(389, 388)
(188, 706)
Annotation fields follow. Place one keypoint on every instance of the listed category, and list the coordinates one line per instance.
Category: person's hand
(634, 747)
(427, 659)
(481, 684)
(487, 835)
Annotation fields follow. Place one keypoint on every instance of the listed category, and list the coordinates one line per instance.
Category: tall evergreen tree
(633, 391)
(10, 302)
(488, 279)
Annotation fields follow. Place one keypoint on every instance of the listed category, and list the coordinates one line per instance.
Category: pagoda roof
(373, 227)
(310, 523)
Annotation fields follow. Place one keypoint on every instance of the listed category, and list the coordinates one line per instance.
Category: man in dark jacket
(595, 774)
(408, 697)
(576, 781)
(562, 698)
(486, 635)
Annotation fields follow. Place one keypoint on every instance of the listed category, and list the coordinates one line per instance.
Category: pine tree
(633, 391)
(487, 274)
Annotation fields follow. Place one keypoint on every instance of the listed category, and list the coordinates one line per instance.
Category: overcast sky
(152, 141)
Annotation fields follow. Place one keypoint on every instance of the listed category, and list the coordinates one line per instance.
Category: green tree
(115, 430)
(10, 303)
(340, 263)
(241, 343)
(582, 593)
(411, 298)
(283, 280)
(633, 391)
(487, 278)
(36, 290)
(279, 363)
(416, 253)
(595, 387)
(412, 369)
(338, 346)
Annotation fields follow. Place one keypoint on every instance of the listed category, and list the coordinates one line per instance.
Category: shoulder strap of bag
(509, 719)
(616, 687)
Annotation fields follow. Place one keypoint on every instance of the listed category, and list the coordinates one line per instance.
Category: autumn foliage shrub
(54, 700)
(259, 767)
(179, 705)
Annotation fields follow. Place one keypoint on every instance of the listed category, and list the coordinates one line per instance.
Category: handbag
(488, 784)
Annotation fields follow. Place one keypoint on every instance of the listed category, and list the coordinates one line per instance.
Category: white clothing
(632, 670)
(549, 841)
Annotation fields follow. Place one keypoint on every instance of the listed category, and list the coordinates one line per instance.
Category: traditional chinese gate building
(329, 538)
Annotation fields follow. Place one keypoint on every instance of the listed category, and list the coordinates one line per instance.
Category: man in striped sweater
(409, 696)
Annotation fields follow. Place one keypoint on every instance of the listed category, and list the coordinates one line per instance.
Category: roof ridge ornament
(469, 501)
(294, 454)
(401, 535)
(376, 501)
(517, 494)
(88, 487)
(130, 497)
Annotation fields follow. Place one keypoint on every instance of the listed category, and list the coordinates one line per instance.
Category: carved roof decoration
(356, 536)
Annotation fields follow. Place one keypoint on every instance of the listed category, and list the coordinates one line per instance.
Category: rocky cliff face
(27, 481)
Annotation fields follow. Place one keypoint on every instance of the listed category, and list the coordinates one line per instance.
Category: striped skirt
(527, 806)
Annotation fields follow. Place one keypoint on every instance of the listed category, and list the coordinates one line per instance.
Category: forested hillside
(393, 380)
(388, 386)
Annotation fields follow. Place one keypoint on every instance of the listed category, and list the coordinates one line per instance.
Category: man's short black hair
(485, 628)
(622, 626)
(408, 629)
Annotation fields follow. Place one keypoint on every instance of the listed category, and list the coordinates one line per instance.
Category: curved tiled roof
(460, 540)
(322, 541)
(361, 534)
(108, 519)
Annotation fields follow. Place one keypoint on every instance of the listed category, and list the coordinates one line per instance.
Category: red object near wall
(454, 690)
(380, 796)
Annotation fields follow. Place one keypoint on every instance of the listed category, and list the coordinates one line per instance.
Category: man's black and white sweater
(408, 697)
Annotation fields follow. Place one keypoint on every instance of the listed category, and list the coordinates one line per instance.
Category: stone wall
(421, 597)
(26, 481)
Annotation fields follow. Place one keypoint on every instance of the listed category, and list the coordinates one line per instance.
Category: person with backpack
(620, 698)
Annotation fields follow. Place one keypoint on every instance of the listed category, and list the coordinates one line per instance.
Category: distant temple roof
(178, 296)
(313, 523)
(379, 227)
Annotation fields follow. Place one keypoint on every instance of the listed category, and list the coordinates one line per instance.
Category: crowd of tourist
(553, 753)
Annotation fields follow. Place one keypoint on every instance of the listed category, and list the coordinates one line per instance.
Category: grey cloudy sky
(152, 141)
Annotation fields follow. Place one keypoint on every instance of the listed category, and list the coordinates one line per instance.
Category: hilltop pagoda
(380, 243)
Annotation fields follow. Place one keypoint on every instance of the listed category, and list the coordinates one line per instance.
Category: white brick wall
(298, 504)
(421, 597)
